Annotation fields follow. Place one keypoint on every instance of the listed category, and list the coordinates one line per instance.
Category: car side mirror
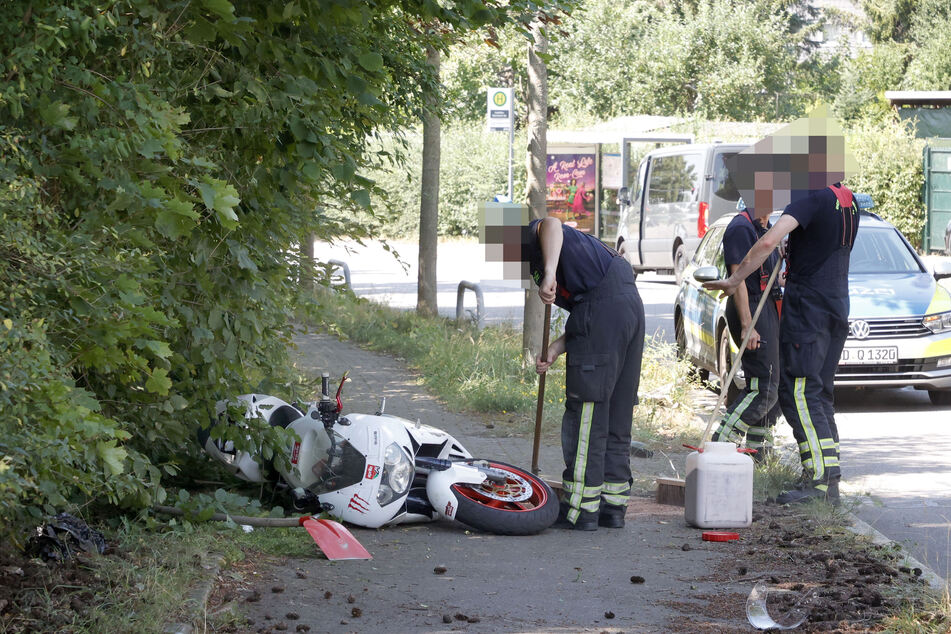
(706, 274)
(624, 196)
(942, 269)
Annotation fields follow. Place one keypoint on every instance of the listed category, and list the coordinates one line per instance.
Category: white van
(678, 192)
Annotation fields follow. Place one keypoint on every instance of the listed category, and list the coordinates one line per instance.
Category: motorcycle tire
(504, 509)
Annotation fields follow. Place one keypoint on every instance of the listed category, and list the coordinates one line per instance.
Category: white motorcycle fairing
(373, 435)
(371, 470)
(439, 487)
(244, 464)
(379, 451)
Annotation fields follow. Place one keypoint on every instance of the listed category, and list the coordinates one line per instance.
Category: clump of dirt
(842, 582)
(36, 596)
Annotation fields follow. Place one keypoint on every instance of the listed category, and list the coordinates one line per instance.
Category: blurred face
(506, 236)
(784, 167)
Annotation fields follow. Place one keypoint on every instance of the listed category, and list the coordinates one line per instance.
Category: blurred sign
(499, 111)
(571, 182)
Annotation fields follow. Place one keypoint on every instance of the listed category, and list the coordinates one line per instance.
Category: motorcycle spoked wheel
(523, 505)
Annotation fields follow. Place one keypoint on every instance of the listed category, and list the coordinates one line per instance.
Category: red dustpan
(334, 540)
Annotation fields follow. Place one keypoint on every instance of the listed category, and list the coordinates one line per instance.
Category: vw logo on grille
(859, 329)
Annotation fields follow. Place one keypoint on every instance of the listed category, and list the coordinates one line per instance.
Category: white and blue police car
(899, 318)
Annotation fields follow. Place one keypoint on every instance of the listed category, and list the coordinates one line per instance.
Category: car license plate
(856, 355)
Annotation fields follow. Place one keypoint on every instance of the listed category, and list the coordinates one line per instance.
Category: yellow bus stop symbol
(499, 98)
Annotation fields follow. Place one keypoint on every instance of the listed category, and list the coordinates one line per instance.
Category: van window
(675, 179)
(723, 185)
(639, 186)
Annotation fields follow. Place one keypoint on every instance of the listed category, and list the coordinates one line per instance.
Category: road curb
(197, 599)
(936, 581)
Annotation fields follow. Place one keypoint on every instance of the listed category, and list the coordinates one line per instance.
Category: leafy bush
(865, 79)
(54, 440)
(890, 169)
(159, 164)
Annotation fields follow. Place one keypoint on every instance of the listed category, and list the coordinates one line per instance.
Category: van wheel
(724, 363)
(680, 263)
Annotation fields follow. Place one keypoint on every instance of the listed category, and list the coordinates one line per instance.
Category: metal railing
(480, 303)
(346, 271)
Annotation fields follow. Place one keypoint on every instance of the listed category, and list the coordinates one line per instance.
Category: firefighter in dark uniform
(747, 415)
(604, 341)
(814, 327)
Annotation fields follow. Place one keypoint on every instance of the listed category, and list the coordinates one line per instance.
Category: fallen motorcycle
(372, 470)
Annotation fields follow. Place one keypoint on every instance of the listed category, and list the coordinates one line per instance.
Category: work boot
(611, 516)
(585, 522)
(811, 491)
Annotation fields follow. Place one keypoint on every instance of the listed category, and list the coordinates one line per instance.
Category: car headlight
(397, 475)
(937, 323)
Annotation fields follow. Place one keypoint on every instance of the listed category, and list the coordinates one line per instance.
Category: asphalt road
(377, 274)
(896, 446)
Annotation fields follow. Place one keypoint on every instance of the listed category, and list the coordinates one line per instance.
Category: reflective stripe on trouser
(615, 493)
(578, 496)
(604, 340)
(747, 415)
(808, 374)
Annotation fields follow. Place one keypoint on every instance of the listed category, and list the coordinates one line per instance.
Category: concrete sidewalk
(655, 575)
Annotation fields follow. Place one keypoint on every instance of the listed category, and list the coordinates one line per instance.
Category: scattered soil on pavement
(843, 583)
(848, 584)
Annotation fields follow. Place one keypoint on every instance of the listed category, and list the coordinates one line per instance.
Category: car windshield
(881, 250)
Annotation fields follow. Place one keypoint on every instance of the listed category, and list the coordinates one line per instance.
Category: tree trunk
(308, 264)
(537, 175)
(429, 201)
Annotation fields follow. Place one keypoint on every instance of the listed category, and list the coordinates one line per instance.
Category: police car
(899, 319)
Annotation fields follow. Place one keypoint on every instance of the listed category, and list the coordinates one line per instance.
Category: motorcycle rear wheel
(523, 505)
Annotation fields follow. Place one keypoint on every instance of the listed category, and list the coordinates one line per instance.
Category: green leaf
(221, 8)
(368, 99)
(112, 456)
(371, 61)
(178, 402)
(56, 115)
(158, 382)
(311, 171)
(221, 198)
(361, 197)
(160, 349)
(150, 147)
(172, 225)
(244, 260)
(182, 208)
(299, 129)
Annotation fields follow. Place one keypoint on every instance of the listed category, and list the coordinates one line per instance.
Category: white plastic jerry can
(719, 487)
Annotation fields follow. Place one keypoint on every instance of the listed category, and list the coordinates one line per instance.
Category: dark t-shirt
(583, 262)
(822, 230)
(740, 235)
